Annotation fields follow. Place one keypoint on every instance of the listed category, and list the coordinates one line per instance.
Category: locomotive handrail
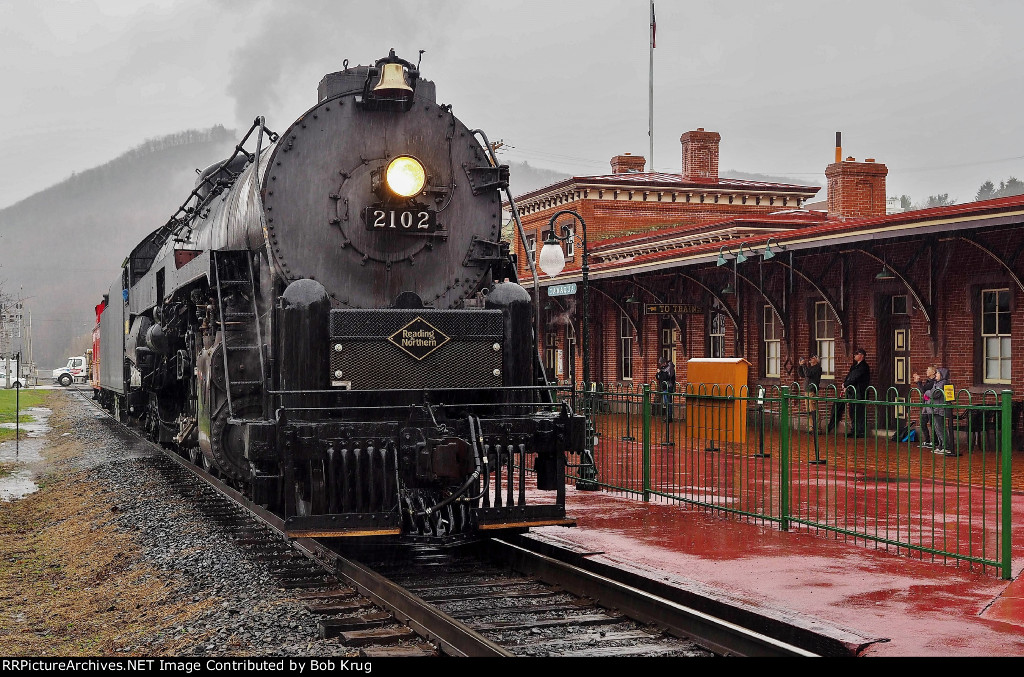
(175, 225)
(405, 390)
(529, 261)
(406, 406)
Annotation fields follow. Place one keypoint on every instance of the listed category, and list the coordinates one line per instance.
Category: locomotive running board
(343, 525)
(519, 517)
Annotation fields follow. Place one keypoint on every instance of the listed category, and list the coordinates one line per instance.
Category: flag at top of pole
(654, 26)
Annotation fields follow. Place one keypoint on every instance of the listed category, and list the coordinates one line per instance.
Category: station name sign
(672, 309)
(562, 289)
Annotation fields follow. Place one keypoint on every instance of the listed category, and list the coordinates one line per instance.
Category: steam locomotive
(332, 324)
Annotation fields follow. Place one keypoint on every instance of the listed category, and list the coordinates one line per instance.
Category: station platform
(875, 602)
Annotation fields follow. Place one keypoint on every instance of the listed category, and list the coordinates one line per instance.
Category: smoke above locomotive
(331, 323)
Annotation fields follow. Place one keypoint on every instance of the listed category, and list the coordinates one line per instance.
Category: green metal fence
(828, 462)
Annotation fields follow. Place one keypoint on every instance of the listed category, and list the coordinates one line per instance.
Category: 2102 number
(403, 220)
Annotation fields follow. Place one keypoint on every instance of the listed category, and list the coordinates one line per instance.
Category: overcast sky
(931, 88)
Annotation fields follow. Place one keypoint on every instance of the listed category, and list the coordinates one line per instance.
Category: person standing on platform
(855, 385)
(938, 415)
(810, 371)
(666, 378)
(925, 385)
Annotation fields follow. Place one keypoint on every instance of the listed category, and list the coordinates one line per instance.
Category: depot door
(892, 369)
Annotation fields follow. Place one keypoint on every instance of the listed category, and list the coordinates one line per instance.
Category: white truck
(75, 371)
(17, 378)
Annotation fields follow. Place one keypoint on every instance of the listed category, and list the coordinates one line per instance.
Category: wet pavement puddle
(23, 456)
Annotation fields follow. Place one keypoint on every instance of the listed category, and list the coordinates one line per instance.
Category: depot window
(772, 343)
(626, 347)
(716, 334)
(995, 335)
(570, 354)
(825, 338)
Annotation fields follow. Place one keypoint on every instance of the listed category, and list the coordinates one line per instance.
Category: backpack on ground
(905, 433)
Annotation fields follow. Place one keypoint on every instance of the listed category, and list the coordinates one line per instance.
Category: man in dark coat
(666, 378)
(855, 386)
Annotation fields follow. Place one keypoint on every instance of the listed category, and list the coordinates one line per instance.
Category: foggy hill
(769, 178)
(524, 177)
(64, 245)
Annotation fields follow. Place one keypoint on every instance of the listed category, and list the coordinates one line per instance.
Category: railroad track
(495, 598)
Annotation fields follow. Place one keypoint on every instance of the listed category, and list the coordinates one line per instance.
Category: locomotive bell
(392, 83)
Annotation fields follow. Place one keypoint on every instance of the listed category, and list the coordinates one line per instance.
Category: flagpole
(650, 107)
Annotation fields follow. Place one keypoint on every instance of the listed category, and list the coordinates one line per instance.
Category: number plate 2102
(400, 220)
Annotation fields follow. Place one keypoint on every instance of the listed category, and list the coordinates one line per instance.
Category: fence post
(646, 440)
(1005, 448)
(784, 458)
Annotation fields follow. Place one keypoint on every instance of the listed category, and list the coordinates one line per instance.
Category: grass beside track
(28, 398)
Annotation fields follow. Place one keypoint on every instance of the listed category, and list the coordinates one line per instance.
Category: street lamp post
(552, 261)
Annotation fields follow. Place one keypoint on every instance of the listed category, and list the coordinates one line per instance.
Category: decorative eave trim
(564, 194)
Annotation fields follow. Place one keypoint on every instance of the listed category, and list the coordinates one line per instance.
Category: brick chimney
(856, 189)
(628, 164)
(700, 155)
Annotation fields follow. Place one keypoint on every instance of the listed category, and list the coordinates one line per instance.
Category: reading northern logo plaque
(419, 338)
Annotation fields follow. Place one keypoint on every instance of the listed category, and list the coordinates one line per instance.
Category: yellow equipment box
(720, 416)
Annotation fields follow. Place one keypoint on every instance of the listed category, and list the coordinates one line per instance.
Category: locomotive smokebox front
(377, 194)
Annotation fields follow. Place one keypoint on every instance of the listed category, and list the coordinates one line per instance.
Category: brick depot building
(756, 275)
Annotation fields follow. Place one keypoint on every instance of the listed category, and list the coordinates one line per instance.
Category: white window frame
(1001, 341)
(550, 340)
(570, 244)
(626, 339)
(825, 338)
(716, 334)
(531, 247)
(772, 344)
(570, 353)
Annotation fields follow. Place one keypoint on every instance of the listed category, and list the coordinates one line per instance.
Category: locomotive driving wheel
(227, 440)
(152, 424)
(311, 493)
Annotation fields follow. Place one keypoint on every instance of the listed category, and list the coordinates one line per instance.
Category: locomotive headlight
(405, 176)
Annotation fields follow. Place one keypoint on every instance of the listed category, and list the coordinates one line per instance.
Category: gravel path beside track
(172, 582)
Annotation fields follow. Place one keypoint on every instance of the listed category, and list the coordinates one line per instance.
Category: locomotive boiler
(332, 323)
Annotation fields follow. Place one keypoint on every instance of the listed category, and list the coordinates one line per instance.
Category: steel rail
(454, 637)
(679, 620)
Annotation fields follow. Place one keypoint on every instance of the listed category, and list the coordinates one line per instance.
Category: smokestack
(839, 146)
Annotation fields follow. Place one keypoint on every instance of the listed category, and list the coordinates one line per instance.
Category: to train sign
(672, 309)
